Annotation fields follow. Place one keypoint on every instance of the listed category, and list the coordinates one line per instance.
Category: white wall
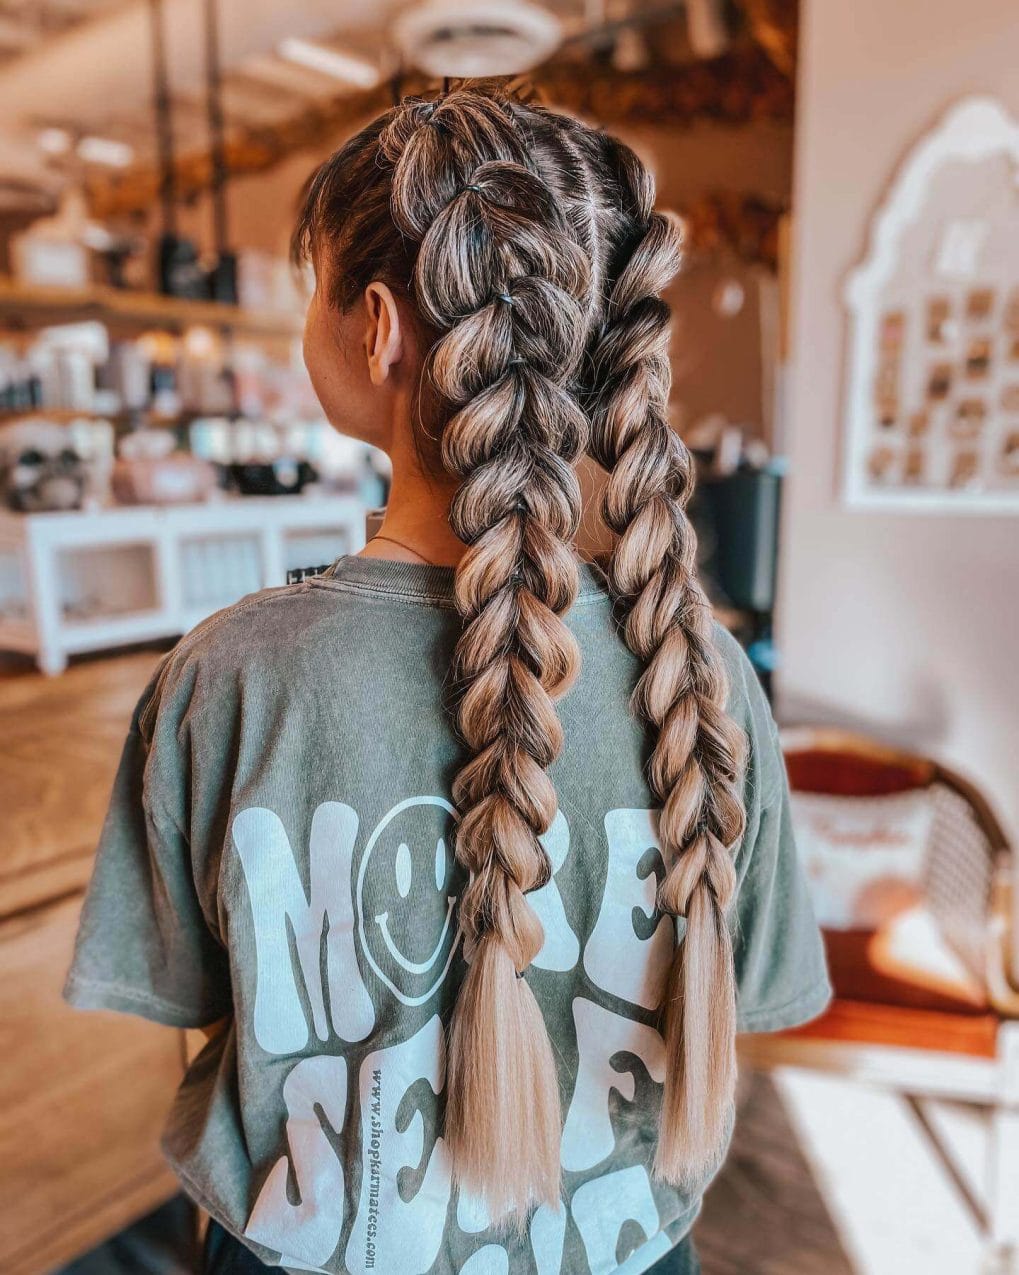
(905, 625)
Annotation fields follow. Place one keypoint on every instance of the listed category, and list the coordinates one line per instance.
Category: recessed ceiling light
(105, 150)
(329, 61)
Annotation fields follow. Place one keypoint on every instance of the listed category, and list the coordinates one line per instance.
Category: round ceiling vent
(468, 38)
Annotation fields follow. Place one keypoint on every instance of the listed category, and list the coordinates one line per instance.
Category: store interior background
(872, 1149)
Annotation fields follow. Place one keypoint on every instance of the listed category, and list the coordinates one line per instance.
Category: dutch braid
(502, 282)
(696, 763)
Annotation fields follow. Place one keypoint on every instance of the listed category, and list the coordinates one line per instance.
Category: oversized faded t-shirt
(278, 849)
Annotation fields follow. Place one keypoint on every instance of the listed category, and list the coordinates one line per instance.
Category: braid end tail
(700, 1044)
(503, 1122)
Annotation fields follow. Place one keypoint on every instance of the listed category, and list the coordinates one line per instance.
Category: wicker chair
(920, 1036)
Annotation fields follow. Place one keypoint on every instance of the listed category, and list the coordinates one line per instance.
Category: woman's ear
(383, 333)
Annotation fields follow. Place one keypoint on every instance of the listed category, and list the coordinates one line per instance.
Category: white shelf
(159, 571)
(94, 635)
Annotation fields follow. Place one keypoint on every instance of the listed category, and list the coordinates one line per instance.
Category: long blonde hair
(530, 247)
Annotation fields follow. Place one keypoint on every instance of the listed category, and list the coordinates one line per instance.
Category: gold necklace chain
(393, 541)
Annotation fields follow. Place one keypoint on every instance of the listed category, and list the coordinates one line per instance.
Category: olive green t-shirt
(277, 849)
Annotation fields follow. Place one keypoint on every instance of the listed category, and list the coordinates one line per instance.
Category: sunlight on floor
(897, 1208)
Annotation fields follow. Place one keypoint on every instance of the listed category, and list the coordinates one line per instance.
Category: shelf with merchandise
(32, 305)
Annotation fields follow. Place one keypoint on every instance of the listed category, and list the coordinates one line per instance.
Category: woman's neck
(416, 527)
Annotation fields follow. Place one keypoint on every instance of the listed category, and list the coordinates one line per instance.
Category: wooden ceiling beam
(738, 87)
(774, 25)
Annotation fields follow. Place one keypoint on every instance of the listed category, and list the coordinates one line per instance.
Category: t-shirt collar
(418, 580)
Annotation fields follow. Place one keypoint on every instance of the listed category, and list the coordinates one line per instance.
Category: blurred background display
(846, 373)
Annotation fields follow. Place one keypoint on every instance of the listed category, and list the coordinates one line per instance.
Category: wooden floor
(60, 739)
(763, 1215)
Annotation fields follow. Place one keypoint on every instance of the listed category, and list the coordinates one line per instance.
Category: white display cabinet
(85, 581)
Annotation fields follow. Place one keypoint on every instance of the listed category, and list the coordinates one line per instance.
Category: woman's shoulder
(257, 626)
(257, 638)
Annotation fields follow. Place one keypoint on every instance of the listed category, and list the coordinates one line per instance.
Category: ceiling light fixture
(476, 37)
(329, 61)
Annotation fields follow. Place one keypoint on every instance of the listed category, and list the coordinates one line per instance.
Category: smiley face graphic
(407, 888)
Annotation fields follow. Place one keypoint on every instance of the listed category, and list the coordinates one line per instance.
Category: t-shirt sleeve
(144, 945)
(781, 971)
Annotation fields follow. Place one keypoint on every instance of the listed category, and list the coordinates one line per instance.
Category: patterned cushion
(865, 857)
(901, 887)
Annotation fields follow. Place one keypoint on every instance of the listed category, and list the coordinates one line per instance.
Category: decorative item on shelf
(222, 278)
(127, 375)
(205, 379)
(20, 384)
(932, 391)
(65, 358)
(180, 270)
(150, 471)
(161, 350)
(93, 438)
(281, 477)
(120, 255)
(52, 251)
(40, 469)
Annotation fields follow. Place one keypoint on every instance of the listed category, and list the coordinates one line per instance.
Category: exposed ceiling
(84, 68)
(73, 69)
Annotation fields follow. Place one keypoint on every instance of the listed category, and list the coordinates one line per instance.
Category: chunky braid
(500, 279)
(697, 758)
(527, 244)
